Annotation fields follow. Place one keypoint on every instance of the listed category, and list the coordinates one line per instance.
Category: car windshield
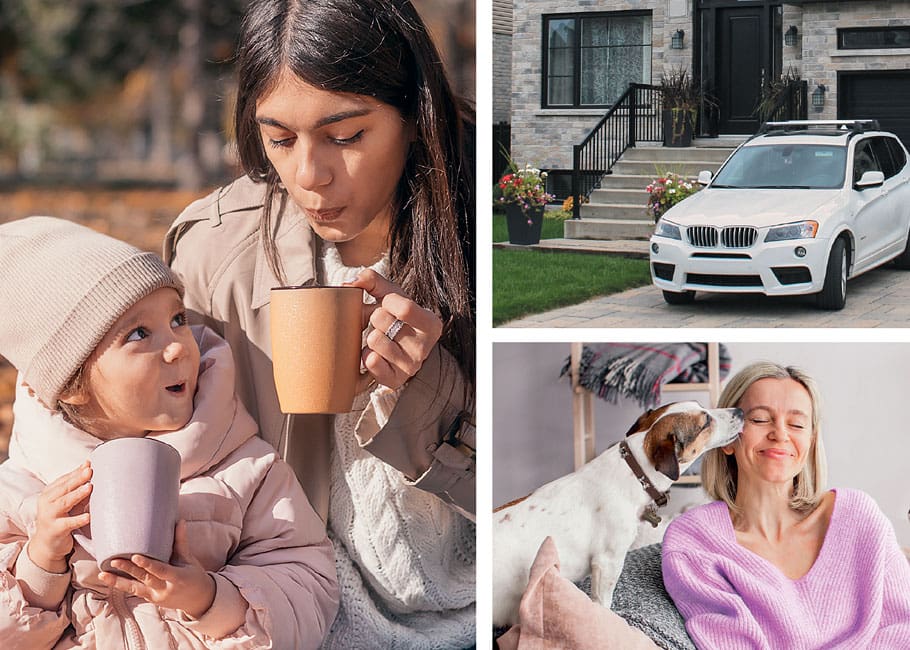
(784, 166)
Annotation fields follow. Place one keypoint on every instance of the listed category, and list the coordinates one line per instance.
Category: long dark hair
(379, 48)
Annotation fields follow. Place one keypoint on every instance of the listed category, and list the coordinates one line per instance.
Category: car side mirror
(869, 179)
(704, 177)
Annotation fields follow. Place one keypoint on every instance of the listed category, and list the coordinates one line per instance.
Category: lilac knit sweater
(856, 595)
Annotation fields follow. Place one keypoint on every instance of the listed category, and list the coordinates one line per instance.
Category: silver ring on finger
(394, 328)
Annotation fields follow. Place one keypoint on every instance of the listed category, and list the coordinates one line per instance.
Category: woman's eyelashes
(287, 143)
(354, 138)
(284, 143)
(765, 421)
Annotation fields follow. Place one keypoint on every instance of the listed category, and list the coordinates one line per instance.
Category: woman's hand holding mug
(404, 332)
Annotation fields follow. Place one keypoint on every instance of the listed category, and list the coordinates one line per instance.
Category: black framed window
(590, 59)
(873, 38)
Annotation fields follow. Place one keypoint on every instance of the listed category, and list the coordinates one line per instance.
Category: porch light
(790, 36)
(676, 41)
(818, 98)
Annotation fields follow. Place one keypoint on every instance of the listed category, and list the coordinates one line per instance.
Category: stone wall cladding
(544, 137)
(502, 60)
(502, 78)
(821, 60)
(793, 55)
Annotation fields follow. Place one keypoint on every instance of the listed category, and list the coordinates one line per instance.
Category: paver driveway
(879, 298)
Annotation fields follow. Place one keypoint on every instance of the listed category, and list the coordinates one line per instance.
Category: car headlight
(667, 229)
(798, 230)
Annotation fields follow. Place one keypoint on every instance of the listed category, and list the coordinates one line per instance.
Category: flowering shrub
(524, 187)
(667, 191)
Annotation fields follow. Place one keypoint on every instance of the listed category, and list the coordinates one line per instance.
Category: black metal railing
(793, 103)
(635, 117)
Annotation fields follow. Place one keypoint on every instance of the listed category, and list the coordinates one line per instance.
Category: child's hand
(61, 510)
(183, 585)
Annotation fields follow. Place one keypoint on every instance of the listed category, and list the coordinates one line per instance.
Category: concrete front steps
(617, 210)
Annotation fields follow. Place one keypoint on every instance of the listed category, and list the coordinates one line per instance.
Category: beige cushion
(554, 613)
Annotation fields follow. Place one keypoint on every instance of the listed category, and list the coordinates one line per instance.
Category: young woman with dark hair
(358, 160)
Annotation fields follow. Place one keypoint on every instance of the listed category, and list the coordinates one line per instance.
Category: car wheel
(902, 261)
(834, 292)
(679, 297)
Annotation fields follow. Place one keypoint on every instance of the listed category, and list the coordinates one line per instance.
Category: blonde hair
(719, 471)
(76, 386)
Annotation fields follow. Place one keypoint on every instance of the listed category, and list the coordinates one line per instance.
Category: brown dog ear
(664, 456)
(647, 419)
(641, 424)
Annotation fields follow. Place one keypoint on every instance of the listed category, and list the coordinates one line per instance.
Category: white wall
(864, 389)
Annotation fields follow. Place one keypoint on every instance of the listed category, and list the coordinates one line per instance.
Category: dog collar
(660, 498)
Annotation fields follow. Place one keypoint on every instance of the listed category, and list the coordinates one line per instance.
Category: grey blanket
(641, 599)
(638, 370)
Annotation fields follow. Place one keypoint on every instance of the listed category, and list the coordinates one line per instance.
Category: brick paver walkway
(879, 298)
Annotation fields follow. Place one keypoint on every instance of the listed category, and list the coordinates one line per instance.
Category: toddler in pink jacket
(98, 332)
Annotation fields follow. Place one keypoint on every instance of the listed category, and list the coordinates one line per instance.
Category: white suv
(797, 209)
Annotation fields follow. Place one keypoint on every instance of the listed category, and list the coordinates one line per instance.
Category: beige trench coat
(214, 247)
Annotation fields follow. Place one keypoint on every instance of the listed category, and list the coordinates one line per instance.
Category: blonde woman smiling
(778, 561)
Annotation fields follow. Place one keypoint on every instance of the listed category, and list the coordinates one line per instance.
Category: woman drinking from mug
(358, 169)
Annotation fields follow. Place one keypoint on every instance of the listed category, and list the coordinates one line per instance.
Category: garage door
(884, 96)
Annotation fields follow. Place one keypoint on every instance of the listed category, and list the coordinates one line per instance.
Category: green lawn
(530, 282)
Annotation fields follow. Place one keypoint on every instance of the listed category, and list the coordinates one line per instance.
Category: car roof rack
(852, 127)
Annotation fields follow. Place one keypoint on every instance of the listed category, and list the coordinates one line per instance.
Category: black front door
(742, 64)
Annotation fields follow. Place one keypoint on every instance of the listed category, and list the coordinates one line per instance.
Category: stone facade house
(572, 60)
(502, 61)
(502, 82)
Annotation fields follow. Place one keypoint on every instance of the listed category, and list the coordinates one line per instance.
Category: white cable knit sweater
(405, 560)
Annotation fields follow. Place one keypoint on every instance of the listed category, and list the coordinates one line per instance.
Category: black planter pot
(679, 124)
(520, 231)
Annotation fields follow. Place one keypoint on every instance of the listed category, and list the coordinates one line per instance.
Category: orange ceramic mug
(316, 342)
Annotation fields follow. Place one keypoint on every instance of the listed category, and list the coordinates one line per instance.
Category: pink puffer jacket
(248, 522)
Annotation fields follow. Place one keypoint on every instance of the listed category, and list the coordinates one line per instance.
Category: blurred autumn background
(117, 113)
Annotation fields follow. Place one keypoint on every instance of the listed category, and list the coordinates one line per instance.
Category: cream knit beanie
(63, 287)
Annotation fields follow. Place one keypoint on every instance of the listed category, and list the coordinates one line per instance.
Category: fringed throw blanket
(637, 370)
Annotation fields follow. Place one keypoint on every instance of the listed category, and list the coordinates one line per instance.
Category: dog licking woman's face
(141, 378)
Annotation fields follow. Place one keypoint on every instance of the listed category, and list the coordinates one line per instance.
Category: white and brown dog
(595, 513)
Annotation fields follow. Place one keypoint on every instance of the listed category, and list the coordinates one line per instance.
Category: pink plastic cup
(135, 485)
